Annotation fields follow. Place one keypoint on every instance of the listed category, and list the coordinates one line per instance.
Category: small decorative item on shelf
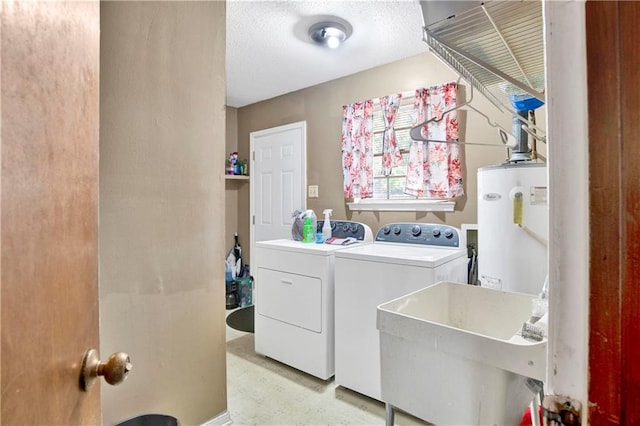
(233, 167)
(236, 166)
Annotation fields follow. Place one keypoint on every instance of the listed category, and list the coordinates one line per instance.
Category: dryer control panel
(428, 234)
(347, 228)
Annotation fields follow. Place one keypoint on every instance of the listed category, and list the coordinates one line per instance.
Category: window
(389, 191)
(432, 170)
(392, 187)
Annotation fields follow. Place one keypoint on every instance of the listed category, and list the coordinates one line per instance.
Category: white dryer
(405, 257)
(294, 285)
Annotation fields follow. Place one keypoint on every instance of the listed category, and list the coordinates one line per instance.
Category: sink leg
(389, 421)
(535, 417)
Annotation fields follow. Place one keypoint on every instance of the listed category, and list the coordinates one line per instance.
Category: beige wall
(162, 123)
(321, 107)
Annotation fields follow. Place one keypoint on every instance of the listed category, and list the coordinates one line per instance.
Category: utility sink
(452, 353)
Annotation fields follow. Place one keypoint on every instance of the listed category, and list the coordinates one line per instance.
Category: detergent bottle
(326, 227)
(308, 232)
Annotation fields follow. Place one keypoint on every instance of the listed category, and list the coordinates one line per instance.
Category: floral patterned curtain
(434, 168)
(357, 157)
(391, 155)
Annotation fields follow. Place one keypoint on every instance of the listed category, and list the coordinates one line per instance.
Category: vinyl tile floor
(262, 391)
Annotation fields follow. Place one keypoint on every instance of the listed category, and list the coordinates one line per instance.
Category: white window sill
(402, 205)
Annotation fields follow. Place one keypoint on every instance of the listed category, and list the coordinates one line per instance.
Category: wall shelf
(498, 47)
(236, 177)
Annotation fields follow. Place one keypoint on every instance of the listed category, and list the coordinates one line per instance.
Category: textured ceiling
(269, 52)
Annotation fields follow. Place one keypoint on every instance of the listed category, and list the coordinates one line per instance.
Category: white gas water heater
(513, 227)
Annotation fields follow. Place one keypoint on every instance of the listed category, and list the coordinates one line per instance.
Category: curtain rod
(404, 96)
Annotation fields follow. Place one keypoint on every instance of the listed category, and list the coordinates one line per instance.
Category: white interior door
(278, 180)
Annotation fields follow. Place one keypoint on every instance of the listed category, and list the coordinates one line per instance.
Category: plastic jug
(308, 233)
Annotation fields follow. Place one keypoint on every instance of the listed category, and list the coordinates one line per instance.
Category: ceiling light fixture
(330, 34)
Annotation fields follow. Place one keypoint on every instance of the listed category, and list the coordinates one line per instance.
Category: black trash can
(151, 420)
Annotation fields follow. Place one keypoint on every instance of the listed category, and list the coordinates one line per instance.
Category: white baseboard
(222, 419)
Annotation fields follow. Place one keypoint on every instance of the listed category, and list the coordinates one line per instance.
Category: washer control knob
(353, 228)
(333, 226)
(448, 233)
(397, 230)
(345, 227)
(416, 230)
(436, 232)
(386, 230)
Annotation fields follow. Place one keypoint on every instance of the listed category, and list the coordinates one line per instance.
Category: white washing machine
(294, 285)
(405, 257)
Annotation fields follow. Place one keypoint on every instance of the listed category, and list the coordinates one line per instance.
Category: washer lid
(403, 254)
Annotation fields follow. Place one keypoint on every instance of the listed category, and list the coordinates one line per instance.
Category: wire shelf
(498, 47)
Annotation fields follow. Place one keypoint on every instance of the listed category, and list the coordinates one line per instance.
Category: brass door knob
(114, 371)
